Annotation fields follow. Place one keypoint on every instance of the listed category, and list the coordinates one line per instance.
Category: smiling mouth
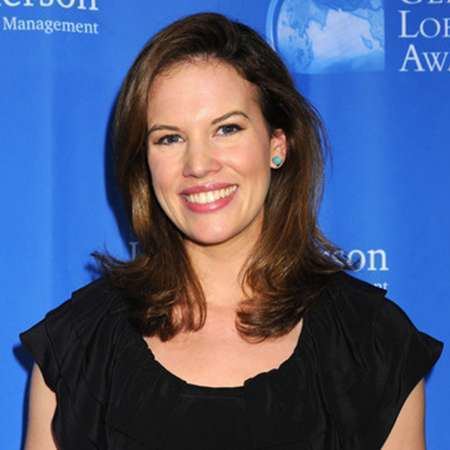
(210, 196)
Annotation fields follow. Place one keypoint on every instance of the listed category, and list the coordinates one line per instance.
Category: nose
(200, 160)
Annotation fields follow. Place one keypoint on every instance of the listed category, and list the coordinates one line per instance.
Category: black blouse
(357, 359)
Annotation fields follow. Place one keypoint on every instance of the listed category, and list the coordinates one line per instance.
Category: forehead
(203, 85)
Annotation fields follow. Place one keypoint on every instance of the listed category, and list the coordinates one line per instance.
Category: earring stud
(277, 161)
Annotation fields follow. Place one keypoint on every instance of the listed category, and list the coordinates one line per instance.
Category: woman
(236, 327)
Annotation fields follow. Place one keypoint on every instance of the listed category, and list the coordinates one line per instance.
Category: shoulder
(98, 296)
(347, 303)
(369, 325)
(364, 297)
(368, 312)
(78, 347)
(99, 292)
(93, 316)
(97, 300)
(342, 323)
(369, 355)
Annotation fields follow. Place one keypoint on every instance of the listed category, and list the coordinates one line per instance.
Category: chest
(218, 356)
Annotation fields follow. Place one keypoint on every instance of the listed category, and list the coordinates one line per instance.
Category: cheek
(161, 174)
(255, 160)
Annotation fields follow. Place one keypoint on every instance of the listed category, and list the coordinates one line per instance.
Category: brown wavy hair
(292, 259)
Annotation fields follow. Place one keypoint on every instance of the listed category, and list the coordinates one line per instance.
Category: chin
(210, 237)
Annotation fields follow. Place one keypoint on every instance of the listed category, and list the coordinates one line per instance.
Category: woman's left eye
(229, 129)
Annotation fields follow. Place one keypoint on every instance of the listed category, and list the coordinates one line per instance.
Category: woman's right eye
(168, 139)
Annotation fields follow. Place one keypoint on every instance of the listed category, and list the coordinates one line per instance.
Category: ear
(278, 148)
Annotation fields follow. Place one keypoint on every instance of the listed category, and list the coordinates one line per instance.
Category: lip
(205, 188)
(209, 207)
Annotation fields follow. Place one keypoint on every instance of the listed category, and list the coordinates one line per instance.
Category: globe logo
(328, 36)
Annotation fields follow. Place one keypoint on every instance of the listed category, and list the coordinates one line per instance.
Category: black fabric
(357, 359)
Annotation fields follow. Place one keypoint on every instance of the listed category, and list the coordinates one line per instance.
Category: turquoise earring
(277, 161)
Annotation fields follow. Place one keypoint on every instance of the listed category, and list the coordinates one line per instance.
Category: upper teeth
(210, 196)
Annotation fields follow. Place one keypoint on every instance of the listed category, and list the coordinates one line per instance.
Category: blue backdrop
(377, 71)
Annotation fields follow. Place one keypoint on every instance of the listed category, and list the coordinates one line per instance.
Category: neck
(219, 267)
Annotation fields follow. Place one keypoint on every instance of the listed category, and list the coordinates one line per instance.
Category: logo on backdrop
(326, 36)
(31, 16)
(373, 260)
(426, 36)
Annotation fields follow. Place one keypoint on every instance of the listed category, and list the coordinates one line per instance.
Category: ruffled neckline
(234, 391)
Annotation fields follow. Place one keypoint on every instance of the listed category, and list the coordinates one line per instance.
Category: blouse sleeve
(43, 340)
(371, 358)
(74, 345)
(403, 355)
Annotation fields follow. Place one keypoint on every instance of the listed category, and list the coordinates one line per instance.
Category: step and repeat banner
(378, 72)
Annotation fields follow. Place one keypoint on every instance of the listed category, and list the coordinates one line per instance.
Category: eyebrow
(157, 127)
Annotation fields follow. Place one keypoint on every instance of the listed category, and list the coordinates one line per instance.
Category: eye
(168, 139)
(231, 128)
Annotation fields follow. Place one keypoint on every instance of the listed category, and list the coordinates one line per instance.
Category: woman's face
(209, 151)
